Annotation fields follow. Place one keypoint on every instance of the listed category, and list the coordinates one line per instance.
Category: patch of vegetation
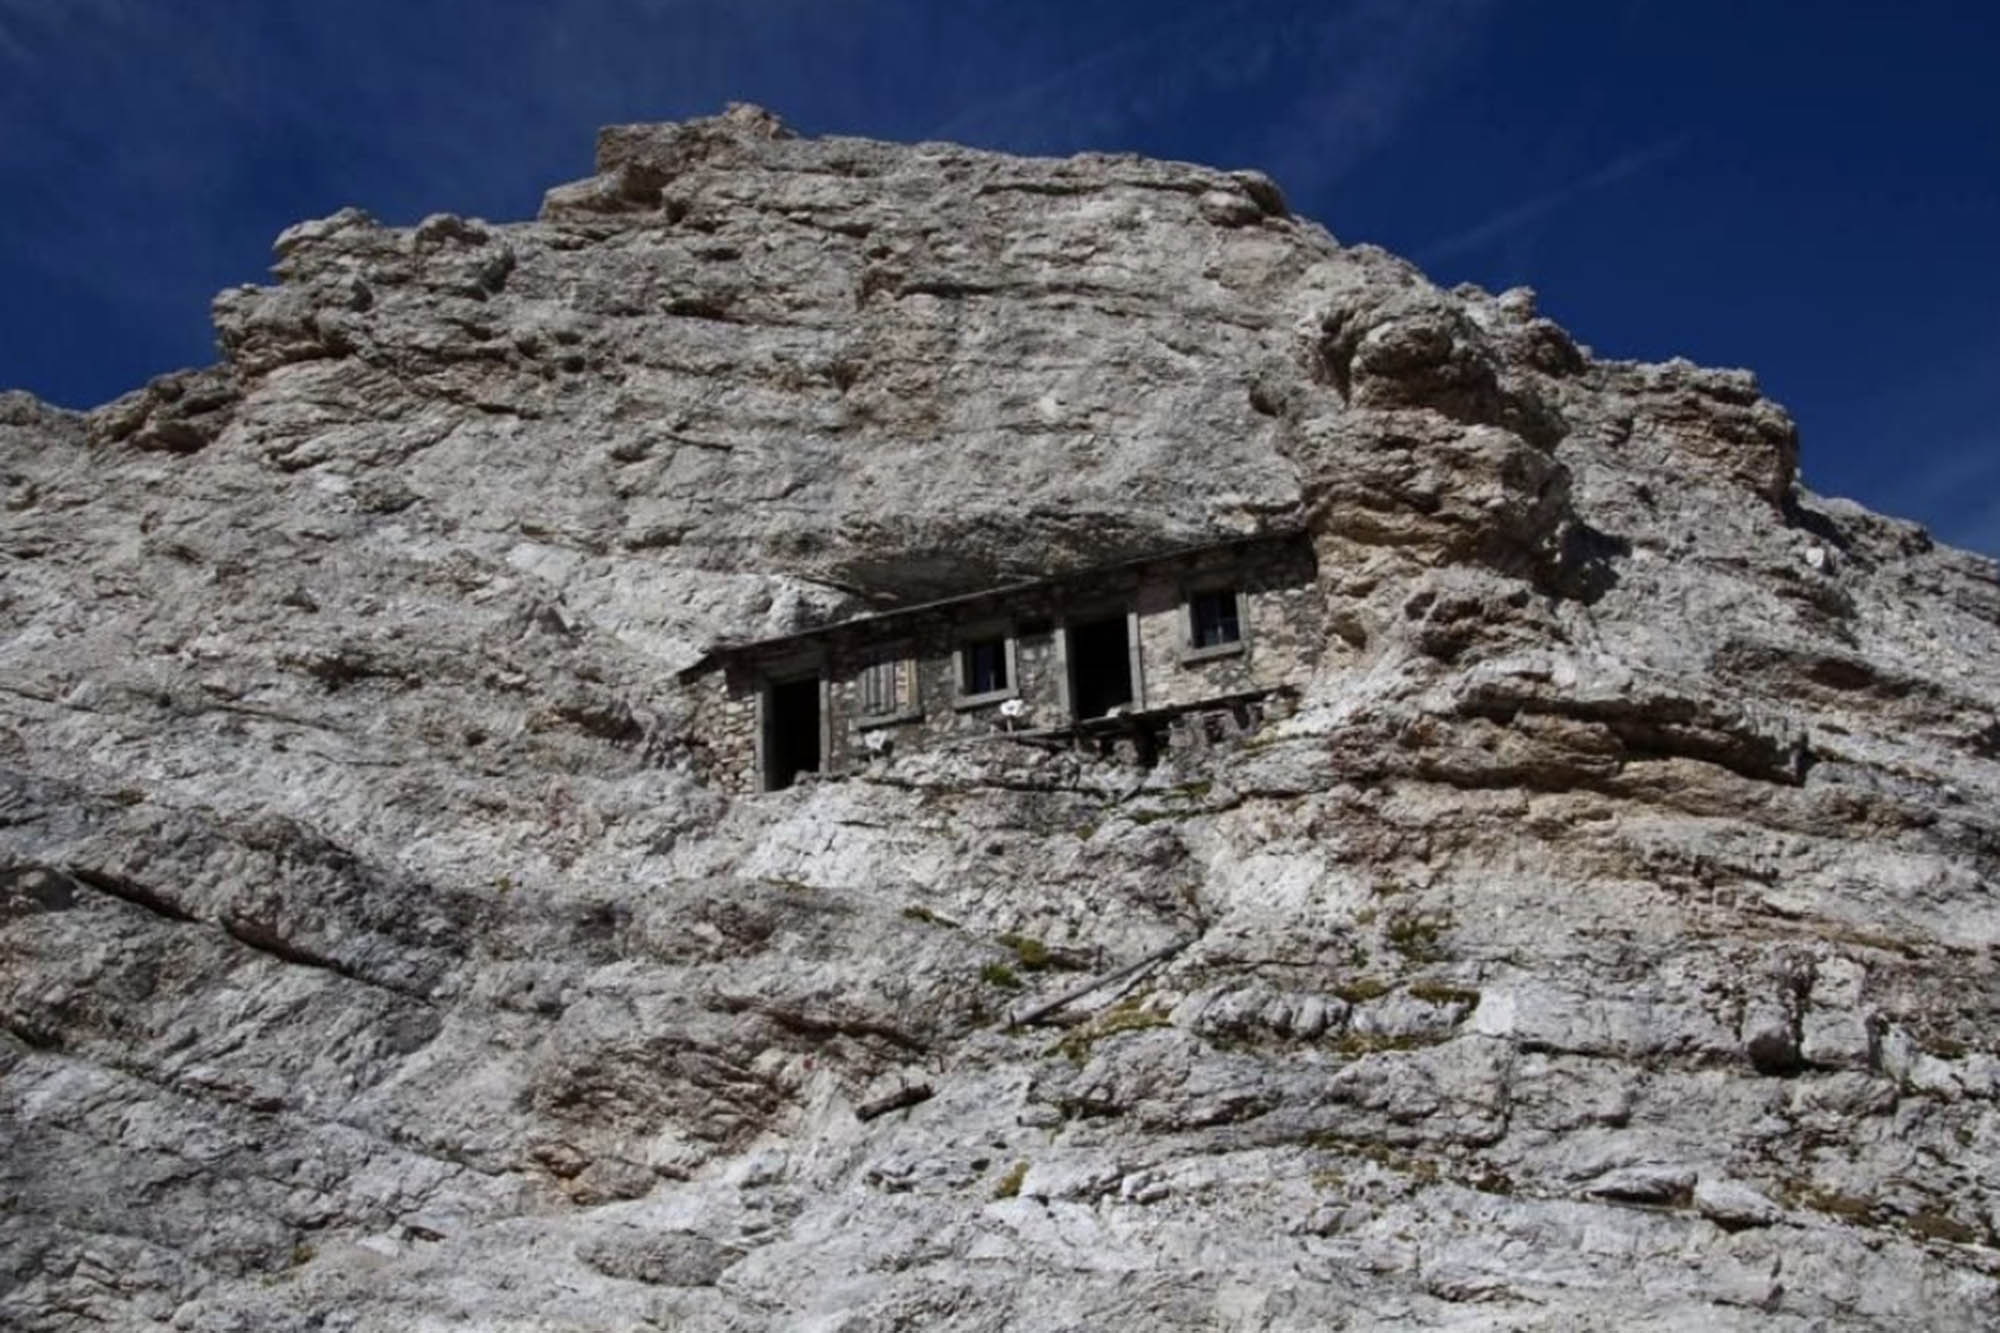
(1328, 1180)
(1009, 1185)
(1128, 1015)
(1933, 1225)
(1415, 936)
(1943, 1047)
(1001, 975)
(1846, 1207)
(302, 1254)
(1432, 992)
(1420, 1169)
(1357, 1044)
(1088, 1108)
(1840, 933)
(918, 912)
(1491, 1181)
(1032, 954)
(1362, 989)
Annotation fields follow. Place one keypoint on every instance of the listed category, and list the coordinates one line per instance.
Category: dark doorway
(1100, 666)
(791, 731)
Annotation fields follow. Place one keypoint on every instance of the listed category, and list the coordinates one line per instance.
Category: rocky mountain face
(1609, 940)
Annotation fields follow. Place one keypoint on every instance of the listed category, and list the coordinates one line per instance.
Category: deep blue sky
(1808, 189)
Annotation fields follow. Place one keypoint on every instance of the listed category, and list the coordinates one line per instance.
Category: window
(1213, 621)
(983, 667)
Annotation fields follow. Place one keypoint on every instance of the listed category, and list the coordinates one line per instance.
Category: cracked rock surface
(1608, 940)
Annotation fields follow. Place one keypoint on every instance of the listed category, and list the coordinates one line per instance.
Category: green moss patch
(1001, 975)
(1128, 1015)
(1363, 989)
(1431, 992)
(1416, 935)
(1009, 1185)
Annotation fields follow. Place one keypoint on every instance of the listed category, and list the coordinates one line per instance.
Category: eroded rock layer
(1608, 940)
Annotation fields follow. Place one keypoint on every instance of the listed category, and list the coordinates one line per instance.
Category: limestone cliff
(1608, 940)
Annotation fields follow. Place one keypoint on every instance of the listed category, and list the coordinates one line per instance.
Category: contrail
(1513, 219)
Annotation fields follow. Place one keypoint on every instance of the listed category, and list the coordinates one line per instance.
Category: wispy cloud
(1086, 87)
(149, 154)
(28, 27)
(1531, 211)
(1920, 445)
(1956, 492)
(1332, 82)
(1367, 67)
(1979, 531)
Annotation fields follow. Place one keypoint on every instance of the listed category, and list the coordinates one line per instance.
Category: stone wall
(1282, 633)
(1282, 625)
(938, 716)
(722, 745)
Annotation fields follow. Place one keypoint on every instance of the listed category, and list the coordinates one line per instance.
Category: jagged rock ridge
(1609, 939)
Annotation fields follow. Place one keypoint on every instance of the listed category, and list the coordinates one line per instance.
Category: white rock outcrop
(1609, 940)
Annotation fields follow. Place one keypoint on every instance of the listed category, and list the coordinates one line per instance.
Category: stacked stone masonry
(1265, 588)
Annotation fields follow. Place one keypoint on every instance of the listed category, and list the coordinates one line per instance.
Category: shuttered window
(881, 688)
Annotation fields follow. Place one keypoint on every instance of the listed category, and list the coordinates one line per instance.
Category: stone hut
(1171, 650)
